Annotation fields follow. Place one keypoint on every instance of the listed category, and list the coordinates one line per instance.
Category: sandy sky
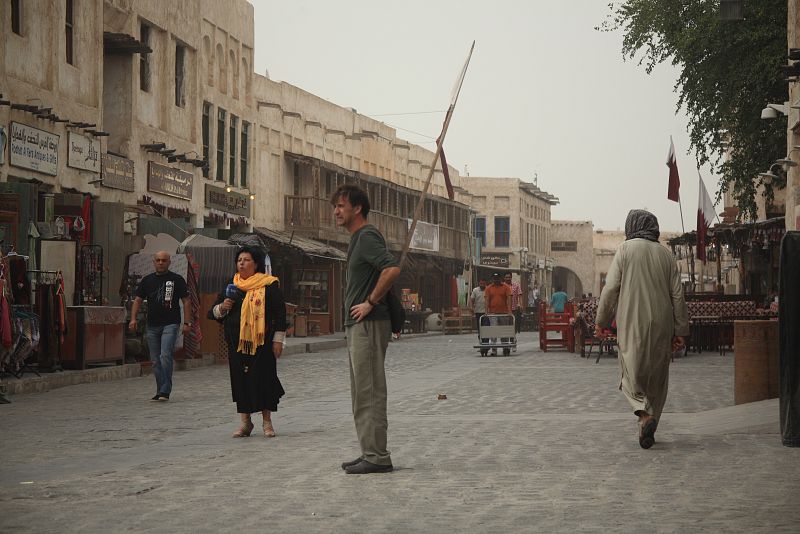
(546, 94)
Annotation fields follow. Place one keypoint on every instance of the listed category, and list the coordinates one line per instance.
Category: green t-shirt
(367, 256)
(558, 300)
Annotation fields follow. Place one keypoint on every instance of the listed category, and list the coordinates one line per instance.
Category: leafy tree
(729, 71)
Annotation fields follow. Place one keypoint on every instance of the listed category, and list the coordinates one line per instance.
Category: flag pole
(436, 157)
(715, 211)
(716, 245)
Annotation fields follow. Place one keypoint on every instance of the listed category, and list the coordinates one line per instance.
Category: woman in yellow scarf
(253, 313)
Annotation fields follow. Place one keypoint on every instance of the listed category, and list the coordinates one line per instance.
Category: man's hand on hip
(360, 311)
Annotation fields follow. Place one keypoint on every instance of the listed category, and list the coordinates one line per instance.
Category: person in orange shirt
(497, 296)
(498, 301)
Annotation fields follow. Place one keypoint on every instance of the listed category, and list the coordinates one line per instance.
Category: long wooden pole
(436, 158)
(421, 201)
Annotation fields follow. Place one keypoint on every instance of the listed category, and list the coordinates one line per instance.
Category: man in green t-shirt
(558, 300)
(371, 271)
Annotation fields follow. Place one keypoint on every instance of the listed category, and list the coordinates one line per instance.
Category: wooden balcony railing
(315, 217)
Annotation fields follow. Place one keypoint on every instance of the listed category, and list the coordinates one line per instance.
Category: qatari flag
(673, 190)
(705, 218)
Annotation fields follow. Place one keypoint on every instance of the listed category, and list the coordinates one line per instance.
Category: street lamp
(769, 176)
(773, 111)
(786, 162)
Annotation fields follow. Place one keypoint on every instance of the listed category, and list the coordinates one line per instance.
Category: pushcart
(496, 331)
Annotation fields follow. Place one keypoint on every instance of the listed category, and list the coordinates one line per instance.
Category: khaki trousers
(366, 343)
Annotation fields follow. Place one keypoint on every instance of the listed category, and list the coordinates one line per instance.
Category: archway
(568, 281)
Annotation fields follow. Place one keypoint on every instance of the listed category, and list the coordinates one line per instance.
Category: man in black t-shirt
(162, 290)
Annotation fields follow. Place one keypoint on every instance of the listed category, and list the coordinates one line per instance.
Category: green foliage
(729, 72)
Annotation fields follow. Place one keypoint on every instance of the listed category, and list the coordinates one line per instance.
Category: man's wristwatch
(188, 324)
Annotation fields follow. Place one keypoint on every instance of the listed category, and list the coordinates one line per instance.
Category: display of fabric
(191, 342)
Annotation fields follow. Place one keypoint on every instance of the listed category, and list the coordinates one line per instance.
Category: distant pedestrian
(477, 301)
(253, 313)
(498, 302)
(558, 300)
(371, 271)
(533, 304)
(162, 290)
(533, 298)
(643, 285)
(498, 296)
(516, 300)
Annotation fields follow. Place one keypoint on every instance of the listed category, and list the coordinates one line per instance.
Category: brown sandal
(244, 430)
(647, 433)
(269, 430)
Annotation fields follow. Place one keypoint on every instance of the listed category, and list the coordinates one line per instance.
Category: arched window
(247, 76)
(234, 74)
(223, 71)
(208, 58)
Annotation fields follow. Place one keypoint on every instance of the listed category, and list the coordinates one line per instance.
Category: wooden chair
(451, 320)
(550, 321)
(467, 320)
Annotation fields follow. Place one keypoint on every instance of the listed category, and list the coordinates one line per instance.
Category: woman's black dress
(254, 379)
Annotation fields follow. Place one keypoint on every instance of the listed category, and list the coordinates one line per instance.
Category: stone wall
(579, 260)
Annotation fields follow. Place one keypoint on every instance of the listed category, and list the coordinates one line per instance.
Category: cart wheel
(506, 352)
(484, 352)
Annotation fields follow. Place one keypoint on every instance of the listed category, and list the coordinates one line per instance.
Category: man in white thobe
(643, 288)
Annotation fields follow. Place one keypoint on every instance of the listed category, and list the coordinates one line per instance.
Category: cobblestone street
(534, 442)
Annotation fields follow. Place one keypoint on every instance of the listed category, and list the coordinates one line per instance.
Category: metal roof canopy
(309, 247)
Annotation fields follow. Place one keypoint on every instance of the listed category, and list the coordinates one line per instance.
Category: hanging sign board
(169, 181)
(35, 149)
(116, 172)
(83, 152)
(219, 199)
(426, 236)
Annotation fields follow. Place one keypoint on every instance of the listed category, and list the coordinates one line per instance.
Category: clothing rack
(40, 280)
(20, 356)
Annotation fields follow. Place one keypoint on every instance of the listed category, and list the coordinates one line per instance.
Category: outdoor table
(415, 321)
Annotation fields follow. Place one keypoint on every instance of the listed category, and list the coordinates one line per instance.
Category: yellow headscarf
(253, 326)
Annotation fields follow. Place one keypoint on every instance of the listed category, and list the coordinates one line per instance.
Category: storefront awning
(122, 43)
(307, 246)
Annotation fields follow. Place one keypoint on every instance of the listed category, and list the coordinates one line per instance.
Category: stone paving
(534, 442)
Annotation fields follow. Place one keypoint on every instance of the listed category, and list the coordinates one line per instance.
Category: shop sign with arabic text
(35, 149)
(235, 203)
(169, 181)
(83, 152)
(494, 260)
(426, 236)
(116, 172)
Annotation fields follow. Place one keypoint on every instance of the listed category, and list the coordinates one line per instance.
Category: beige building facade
(572, 247)
(605, 243)
(152, 110)
(190, 102)
(584, 255)
(512, 225)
